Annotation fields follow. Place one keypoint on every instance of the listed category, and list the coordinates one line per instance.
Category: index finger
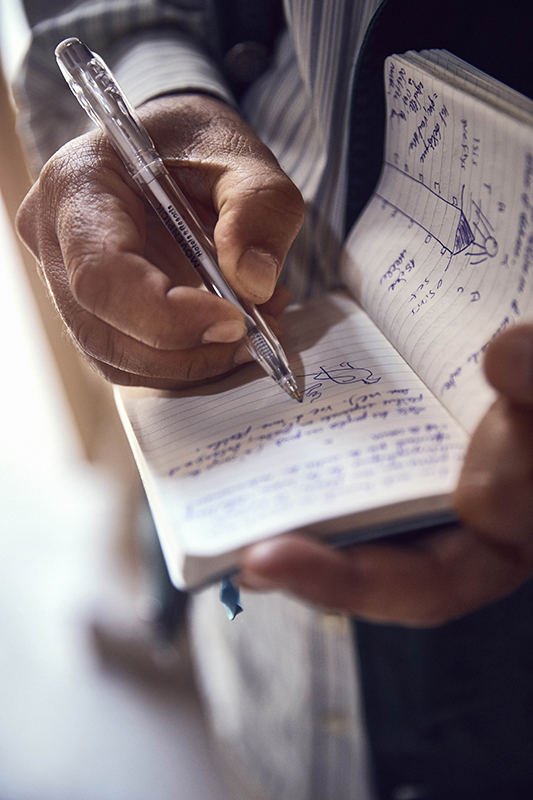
(101, 236)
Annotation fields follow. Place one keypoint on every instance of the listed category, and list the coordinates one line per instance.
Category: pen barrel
(185, 227)
(187, 230)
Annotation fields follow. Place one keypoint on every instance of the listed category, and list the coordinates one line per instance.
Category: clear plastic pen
(99, 95)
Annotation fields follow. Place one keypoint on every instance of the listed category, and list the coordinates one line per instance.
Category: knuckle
(95, 341)
(236, 142)
(56, 177)
(294, 199)
(60, 178)
(83, 340)
(277, 195)
(204, 363)
(116, 355)
(115, 375)
(195, 368)
(222, 135)
(284, 199)
(25, 220)
(88, 284)
(83, 334)
(69, 170)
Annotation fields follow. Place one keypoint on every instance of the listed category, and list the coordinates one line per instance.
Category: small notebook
(438, 264)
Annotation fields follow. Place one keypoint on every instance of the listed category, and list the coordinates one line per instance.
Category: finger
(382, 583)
(109, 349)
(127, 362)
(174, 382)
(227, 170)
(110, 277)
(509, 364)
(494, 495)
(116, 354)
(277, 303)
(260, 211)
(259, 216)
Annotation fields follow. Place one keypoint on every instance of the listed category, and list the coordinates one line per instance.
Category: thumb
(260, 212)
(509, 364)
(494, 493)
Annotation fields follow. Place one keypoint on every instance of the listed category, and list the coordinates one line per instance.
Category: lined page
(442, 257)
(238, 460)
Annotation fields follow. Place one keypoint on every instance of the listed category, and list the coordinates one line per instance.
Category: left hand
(442, 576)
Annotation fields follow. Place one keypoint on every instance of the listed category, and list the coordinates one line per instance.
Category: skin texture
(134, 307)
(130, 300)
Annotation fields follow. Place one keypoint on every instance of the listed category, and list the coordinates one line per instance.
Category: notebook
(437, 265)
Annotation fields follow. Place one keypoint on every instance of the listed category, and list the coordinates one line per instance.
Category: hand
(440, 576)
(495, 492)
(129, 298)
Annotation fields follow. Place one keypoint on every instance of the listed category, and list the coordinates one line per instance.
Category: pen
(99, 95)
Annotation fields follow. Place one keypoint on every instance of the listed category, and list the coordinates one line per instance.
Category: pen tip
(290, 386)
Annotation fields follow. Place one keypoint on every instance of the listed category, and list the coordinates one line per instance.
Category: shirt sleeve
(153, 48)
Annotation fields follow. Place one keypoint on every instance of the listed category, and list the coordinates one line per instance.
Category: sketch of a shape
(488, 247)
(441, 219)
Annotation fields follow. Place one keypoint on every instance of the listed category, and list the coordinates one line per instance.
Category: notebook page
(469, 78)
(456, 264)
(238, 460)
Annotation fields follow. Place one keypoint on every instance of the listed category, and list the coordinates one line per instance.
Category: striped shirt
(281, 683)
(300, 110)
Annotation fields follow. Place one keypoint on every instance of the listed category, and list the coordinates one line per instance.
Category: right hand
(128, 296)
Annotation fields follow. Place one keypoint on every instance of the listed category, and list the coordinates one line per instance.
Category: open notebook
(440, 261)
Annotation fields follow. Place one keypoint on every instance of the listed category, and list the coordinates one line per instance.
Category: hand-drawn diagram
(344, 373)
(441, 219)
(488, 247)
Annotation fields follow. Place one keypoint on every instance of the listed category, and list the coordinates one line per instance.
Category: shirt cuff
(156, 63)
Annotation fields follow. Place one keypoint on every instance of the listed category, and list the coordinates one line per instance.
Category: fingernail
(242, 355)
(258, 270)
(226, 331)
